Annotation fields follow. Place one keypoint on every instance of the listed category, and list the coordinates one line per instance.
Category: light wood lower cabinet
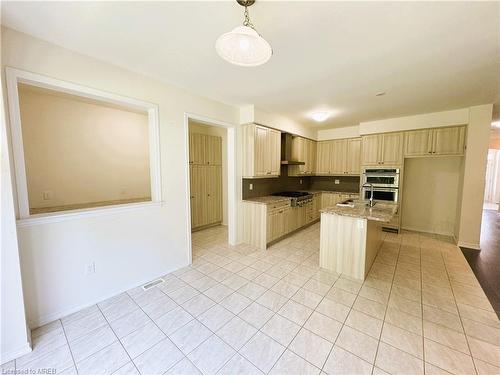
(263, 223)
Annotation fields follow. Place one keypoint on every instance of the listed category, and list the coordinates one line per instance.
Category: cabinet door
(338, 157)
(353, 162)
(448, 141)
(196, 148)
(273, 157)
(270, 226)
(316, 205)
(418, 142)
(392, 149)
(213, 186)
(322, 158)
(260, 150)
(213, 150)
(370, 150)
(198, 195)
(312, 156)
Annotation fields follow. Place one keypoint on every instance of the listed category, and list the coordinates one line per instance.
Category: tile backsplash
(349, 184)
(267, 186)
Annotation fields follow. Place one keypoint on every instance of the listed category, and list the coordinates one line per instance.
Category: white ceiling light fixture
(243, 45)
(320, 116)
(495, 124)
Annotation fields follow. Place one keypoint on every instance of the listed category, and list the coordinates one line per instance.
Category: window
(81, 152)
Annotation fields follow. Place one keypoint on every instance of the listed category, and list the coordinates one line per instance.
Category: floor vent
(152, 284)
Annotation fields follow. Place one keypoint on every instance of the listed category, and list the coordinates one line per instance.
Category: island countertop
(382, 212)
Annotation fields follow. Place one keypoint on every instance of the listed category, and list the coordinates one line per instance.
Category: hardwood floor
(486, 263)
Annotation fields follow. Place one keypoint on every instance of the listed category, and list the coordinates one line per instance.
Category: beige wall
(129, 247)
(82, 151)
(196, 127)
(431, 188)
(478, 135)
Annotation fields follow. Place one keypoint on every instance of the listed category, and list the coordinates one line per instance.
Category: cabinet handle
(192, 196)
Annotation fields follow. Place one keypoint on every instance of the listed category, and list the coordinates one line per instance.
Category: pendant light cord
(247, 21)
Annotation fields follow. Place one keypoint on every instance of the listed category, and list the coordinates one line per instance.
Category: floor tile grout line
(69, 347)
(459, 315)
(386, 307)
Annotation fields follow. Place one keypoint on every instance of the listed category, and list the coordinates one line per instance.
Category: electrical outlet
(90, 269)
(47, 195)
(250, 186)
(337, 182)
(300, 181)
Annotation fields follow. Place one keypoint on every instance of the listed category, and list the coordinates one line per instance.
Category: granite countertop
(380, 212)
(269, 199)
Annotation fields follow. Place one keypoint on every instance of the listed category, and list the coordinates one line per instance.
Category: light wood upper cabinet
(392, 149)
(353, 156)
(213, 150)
(448, 141)
(196, 148)
(370, 150)
(382, 149)
(261, 152)
(338, 157)
(418, 142)
(436, 141)
(274, 152)
(303, 150)
(205, 149)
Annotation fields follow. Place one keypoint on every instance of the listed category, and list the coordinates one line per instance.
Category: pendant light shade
(243, 45)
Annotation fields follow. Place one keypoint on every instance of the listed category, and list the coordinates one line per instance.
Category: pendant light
(243, 45)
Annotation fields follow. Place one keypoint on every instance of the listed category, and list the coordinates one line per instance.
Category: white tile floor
(241, 311)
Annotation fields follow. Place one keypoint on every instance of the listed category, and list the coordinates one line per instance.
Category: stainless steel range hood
(286, 150)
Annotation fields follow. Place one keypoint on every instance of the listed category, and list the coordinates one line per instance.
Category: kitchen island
(351, 236)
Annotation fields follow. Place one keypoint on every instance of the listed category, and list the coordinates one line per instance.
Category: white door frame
(231, 175)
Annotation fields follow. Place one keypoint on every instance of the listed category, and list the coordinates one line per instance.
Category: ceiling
(426, 56)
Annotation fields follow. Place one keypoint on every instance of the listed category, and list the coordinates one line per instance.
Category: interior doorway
(211, 184)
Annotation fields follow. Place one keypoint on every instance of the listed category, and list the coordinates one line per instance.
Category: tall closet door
(213, 150)
(198, 195)
(196, 148)
(213, 194)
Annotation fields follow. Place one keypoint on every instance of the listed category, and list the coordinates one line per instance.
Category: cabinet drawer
(277, 206)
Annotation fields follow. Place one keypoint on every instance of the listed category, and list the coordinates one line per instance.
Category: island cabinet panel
(349, 245)
(261, 151)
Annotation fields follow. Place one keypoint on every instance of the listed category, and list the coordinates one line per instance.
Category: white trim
(231, 176)
(59, 216)
(41, 320)
(469, 245)
(16, 353)
(15, 76)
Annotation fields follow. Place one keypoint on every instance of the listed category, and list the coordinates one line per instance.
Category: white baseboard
(15, 353)
(412, 229)
(469, 245)
(35, 322)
